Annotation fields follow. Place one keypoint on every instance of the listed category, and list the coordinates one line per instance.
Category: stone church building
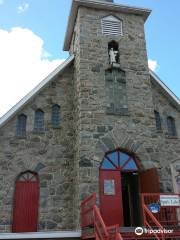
(102, 122)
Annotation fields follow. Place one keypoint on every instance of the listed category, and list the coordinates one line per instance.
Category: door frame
(139, 169)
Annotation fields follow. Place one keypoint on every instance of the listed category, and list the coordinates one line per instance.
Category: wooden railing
(118, 236)
(87, 212)
(99, 225)
(114, 233)
(149, 215)
(168, 215)
(91, 218)
(93, 225)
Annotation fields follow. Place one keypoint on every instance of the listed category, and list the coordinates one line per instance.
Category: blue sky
(32, 34)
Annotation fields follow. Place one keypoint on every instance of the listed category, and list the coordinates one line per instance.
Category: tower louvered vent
(111, 26)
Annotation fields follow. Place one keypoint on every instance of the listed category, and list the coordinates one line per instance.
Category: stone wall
(98, 132)
(170, 145)
(165, 108)
(50, 154)
(67, 159)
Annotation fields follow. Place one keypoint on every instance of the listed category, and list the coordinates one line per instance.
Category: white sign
(170, 200)
(109, 187)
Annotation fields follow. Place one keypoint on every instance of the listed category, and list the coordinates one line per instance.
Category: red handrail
(100, 227)
(168, 215)
(90, 216)
(87, 218)
(91, 197)
(156, 222)
(114, 233)
(118, 236)
(153, 219)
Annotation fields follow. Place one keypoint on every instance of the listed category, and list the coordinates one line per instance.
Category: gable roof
(35, 91)
(167, 92)
(98, 5)
(170, 95)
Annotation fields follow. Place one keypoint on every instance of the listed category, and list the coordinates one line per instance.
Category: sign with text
(109, 187)
(169, 200)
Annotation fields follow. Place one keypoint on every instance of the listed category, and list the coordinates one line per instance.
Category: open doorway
(130, 198)
(119, 189)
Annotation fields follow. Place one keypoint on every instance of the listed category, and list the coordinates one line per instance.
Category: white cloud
(24, 63)
(23, 7)
(152, 64)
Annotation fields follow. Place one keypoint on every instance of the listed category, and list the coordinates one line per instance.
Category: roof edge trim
(35, 91)
(98, 5)
(163, 85)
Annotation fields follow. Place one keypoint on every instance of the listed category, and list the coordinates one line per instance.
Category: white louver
(111, 26)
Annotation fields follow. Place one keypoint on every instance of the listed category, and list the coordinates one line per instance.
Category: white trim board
(35, 91)
(163, 85)
(41, 235)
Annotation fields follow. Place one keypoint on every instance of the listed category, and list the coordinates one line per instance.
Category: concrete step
(127, 229)
(69, 235)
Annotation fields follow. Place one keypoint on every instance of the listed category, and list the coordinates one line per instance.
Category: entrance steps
(128, 233)
(69, 235)
(94, 227)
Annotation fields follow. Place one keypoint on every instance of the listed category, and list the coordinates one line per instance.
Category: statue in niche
(113, 55)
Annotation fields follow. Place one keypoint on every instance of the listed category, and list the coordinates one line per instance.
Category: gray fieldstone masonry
(67, 158)
(50, 154)
(98, 132)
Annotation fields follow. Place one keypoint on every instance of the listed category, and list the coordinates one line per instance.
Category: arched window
(39, 121)
(158, 120)
(116, 97)
(111, 26)
(21, 125)
(118, 160)
(26, 198)
(55, 117)
(171, 126)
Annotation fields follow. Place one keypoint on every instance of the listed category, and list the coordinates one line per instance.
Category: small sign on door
(109, 187)
(170, 200)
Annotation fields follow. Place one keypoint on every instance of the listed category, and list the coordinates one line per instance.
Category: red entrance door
(25, 214)
(111, 196)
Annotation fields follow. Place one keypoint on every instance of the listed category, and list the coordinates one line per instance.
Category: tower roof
(98, 4)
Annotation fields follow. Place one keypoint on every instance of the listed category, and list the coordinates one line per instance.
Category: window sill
(59, 127)
(114, 65)
(38, 132)
(159, 131)
(20, 137)
(172, 137)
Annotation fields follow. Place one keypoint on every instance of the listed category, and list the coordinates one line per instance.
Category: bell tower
(111, 80)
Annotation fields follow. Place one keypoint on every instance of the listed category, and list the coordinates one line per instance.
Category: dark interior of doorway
(131, 199)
